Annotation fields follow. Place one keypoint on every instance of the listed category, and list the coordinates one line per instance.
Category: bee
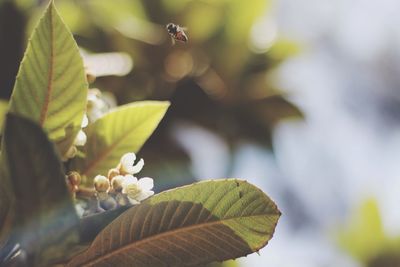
(177, 32)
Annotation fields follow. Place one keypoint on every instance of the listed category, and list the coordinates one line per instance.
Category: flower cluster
(122, 179)
(80, 140)
(119, 188)
(97, 105)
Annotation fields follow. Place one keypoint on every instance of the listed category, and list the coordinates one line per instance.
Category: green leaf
(231, 263)
(123, 130)
(47, 223)
(3, 111)
(51, 87)
(241, 16)
(6, 198)
(188, 226)
(7, 215)
(364, 236)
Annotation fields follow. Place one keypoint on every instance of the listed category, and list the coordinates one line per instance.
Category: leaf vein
(45, 107)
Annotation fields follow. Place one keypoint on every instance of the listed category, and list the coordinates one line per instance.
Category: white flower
(80, 139)
(85, 121)
(96, 107)
(137, 190)
(128, 166)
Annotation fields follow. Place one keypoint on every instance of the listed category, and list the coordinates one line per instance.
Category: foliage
(120, 131)
(47, 223)
(228, 81)
(3, 111)
(364, 238)
(50, 78)
(192, 225)
(40, 223)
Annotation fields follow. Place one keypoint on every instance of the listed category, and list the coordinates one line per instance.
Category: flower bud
(70, 153)
(90, 77)
(112, 173)
(101, 183)
(73, 182)
(116, 183)
(74, 178)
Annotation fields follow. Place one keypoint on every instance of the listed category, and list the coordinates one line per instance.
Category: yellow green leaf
(123, 130)
(51, 87)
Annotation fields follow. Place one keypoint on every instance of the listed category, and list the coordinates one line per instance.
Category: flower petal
(143, 195)
(133, 201)
(137, 168)
(85, 121)
(80, 139)
(130, 179)
(128, 159)
(130, 185)
(146, 183)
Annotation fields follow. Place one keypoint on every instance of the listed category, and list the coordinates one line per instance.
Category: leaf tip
(50, 6)
(166, 104)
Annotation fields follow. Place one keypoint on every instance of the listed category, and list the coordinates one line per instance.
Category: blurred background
(301, 98)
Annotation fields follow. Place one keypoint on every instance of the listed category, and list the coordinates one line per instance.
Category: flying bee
(177, 32)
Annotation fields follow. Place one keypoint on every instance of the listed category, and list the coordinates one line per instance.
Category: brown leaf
(226, 219)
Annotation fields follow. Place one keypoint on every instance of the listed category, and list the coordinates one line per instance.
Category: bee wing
(172, 41)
